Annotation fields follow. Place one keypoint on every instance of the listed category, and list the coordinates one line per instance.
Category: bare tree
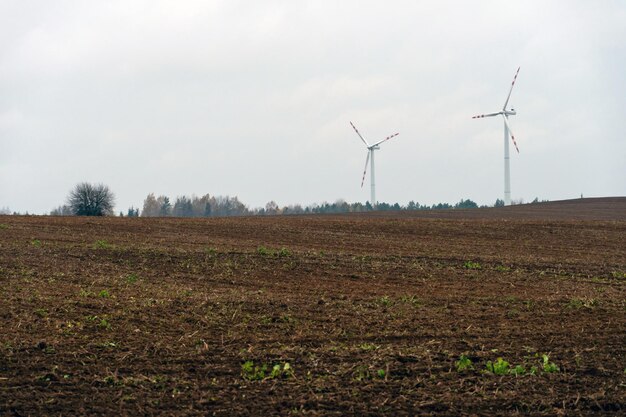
(91, 200)
(150, 206)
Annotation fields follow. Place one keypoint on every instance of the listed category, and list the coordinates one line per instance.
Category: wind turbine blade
(480, 116)
(386, 139)
(510, 133)
(512, 84)
(365, 170)
(357, 132)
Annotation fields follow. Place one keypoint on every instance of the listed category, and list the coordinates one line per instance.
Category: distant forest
(221, 206)
(224, 206)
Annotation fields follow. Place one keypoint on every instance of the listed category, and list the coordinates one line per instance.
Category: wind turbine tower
(370, 159)
(507, 131)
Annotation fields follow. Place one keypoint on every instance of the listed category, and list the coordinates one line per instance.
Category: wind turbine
(507, 130)
(370, 158)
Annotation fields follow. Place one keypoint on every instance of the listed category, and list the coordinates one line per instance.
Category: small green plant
(548, 366)
(104, 324)
(578, 303)
(499, 367)
(101, 244)
(385, 301)
(464, 363)
(502, 268)
(41, 312)
(472, 265)
(411, 299)
(132, 278)
(85, 293)
(619, 274)
(381, 373)
(283, 253)
(253, 372)
(104, 294)
(362, 373)
(518, 370)
(262, 250)
(3, 226)
(36, 243)
(368, 347)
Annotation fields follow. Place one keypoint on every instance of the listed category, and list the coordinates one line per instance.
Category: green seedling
(385, 301)
(578, 303)
(132, 278)
(518, 370)
(499, 367)
(548, 366)
(104, 294)
(253, 372)
(101, 244)
(36, 243)
(464, 363)
(472, 265)
(362, 373)
(368, 347)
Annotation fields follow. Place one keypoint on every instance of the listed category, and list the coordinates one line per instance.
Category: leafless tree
(91, 200)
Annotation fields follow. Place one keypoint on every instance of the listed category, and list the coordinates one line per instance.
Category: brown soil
(141, 316)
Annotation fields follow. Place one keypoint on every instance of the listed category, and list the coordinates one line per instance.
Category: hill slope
(605, 208)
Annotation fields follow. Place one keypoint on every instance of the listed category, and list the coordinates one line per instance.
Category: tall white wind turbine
(507, 130)
(370, 159)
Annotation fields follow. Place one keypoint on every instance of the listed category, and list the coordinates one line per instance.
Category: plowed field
(318, 315)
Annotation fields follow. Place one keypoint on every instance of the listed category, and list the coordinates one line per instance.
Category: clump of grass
(472, 265)
(578, 303)
(85, 293)
(132, 278)
(499, 367)
(463, 364)
(280, 253)
(548, 366)
(411, 299)
(385, 301)
(618, 274)
(252, 372)
(104, 294)
(101, 244)
(368, 347)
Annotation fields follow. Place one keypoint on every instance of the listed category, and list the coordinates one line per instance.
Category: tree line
(87, 199)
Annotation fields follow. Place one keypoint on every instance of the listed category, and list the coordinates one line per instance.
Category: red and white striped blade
(386, 139)
(365, 170)
(510, 133)
(357, 132)
(512, 84)
(480, 116)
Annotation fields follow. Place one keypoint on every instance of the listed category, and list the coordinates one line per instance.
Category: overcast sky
(254, 99)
